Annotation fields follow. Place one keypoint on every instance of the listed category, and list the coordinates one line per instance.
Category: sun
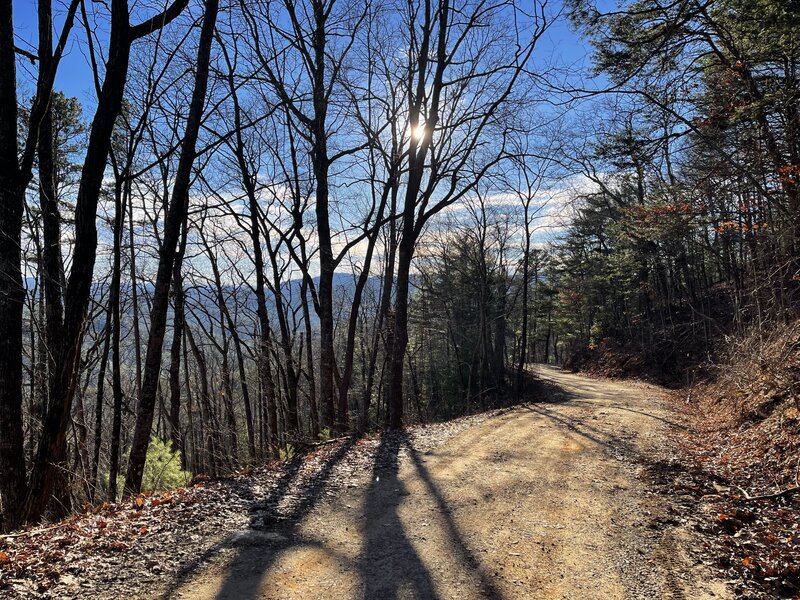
(418, 133)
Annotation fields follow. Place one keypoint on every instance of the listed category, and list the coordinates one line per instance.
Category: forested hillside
(240, 235)
(691, 230)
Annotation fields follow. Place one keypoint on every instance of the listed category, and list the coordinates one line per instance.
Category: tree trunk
(523, 345)
(15, 174)
(98, 410)
(52, 447)
(174, 220)
(399, 331)
(116, 379)
(372, 238)
(210, 440)
(12, 290)
(12, 293)
(325, 299)
(312, 382)
(383, 325)
(175, 349)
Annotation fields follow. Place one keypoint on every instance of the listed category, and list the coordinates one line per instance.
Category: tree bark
(174, 220)
(116, 379)
(15, 174)
(12, 291)
(51, 450)
(175, 349)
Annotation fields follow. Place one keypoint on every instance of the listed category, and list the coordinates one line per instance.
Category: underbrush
(658, 365)
(162, 469)
(752, 399)
(761, 372)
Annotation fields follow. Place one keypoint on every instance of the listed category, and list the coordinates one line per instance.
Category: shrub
(286, 453)
(162, 469)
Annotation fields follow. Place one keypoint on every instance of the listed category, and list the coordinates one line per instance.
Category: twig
(29, 55)
(31, 532)
(305, 444)
(776, 495)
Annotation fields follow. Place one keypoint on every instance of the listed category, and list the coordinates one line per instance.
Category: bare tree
(447, 145)
(308, 97)
(175, 218)
(16, 170)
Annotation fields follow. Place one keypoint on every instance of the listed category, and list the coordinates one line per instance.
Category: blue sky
(74, 75)
(560, 46)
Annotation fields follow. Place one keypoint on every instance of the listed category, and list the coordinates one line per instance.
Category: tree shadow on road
(459, 547)
(541, 390)
(389, 565)
(550, 396)
(272, 530)
(615, 444)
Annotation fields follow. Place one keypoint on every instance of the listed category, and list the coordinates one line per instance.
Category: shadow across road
(389, 564)
(382, 562)
(271, 533)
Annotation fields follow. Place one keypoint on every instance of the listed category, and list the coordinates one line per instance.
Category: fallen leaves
(751, 536)
(110, 543)
(165, 499)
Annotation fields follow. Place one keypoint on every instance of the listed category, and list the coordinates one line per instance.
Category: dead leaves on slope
(735, 474)
(51, 561)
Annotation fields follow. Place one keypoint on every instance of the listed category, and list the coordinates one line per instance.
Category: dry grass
(749, 412)
(760, 374)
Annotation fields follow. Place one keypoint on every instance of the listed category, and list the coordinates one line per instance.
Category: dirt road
(550, 500)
